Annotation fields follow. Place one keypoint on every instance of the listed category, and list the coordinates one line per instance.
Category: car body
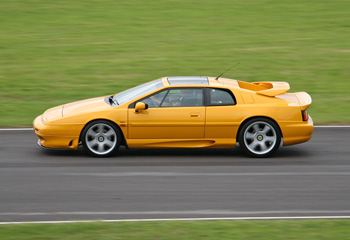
(182, 112)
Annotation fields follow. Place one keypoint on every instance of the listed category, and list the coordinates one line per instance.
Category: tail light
(305, 115)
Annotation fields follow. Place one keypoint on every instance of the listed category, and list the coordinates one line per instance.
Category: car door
(174, 113)
(221, 115)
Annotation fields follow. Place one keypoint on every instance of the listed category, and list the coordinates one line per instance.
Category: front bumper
(56, 136)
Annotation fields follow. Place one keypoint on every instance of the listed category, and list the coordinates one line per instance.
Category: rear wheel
(259, 137)
(101, 138)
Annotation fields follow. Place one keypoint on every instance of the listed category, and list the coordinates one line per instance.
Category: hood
(85, 106)
(52, 114)
(75, 108)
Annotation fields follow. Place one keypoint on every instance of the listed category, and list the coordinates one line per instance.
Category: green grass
(215, 230)
(54, 52)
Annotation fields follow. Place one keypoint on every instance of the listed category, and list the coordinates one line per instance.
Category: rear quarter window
(218, 97)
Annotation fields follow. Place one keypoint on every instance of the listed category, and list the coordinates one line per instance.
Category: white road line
(332, 126)
(31, 129)
(16, 129)
(182, 174)
(184, 219)
(193, 212)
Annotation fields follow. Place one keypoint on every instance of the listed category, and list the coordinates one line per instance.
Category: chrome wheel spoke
(253, 145)
(263, 146)
(100, 147)
(100, 129)
(266, 129)
(109, 143)
(270, 139)
(109, 133)
(92, 134)
(256, 128)
(93, 142)
(249, 135)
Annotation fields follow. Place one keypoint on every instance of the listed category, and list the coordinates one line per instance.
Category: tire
(259, 137)
(101, 138)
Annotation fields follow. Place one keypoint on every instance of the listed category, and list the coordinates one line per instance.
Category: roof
(200, 80)
(270, 89)
(188, 80)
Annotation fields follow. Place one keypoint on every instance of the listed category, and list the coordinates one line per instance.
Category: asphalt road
(311, 179)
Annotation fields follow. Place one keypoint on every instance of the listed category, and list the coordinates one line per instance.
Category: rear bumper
(294, 133)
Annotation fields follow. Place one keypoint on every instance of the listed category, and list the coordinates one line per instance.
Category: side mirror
(140, 106)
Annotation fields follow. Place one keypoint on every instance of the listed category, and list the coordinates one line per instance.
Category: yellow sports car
(182, 112)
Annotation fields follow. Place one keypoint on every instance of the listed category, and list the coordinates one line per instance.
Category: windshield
(137, 91)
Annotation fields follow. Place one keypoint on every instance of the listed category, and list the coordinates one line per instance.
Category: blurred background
(54, 52)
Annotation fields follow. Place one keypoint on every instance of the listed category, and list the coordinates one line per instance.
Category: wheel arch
(253, 117)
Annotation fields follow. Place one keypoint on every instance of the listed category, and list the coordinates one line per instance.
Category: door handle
(195, 115)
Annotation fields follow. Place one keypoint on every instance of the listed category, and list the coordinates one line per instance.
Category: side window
(155, 99)
(184, 97)
(219, 97)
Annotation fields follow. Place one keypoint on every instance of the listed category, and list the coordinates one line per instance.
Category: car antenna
(226, 71)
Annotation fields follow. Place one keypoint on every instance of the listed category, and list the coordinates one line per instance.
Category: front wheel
(259, 137)
(101, 138)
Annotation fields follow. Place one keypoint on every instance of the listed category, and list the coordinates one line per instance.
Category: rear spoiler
(304, 100)
(279, 89)
(272, 88)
